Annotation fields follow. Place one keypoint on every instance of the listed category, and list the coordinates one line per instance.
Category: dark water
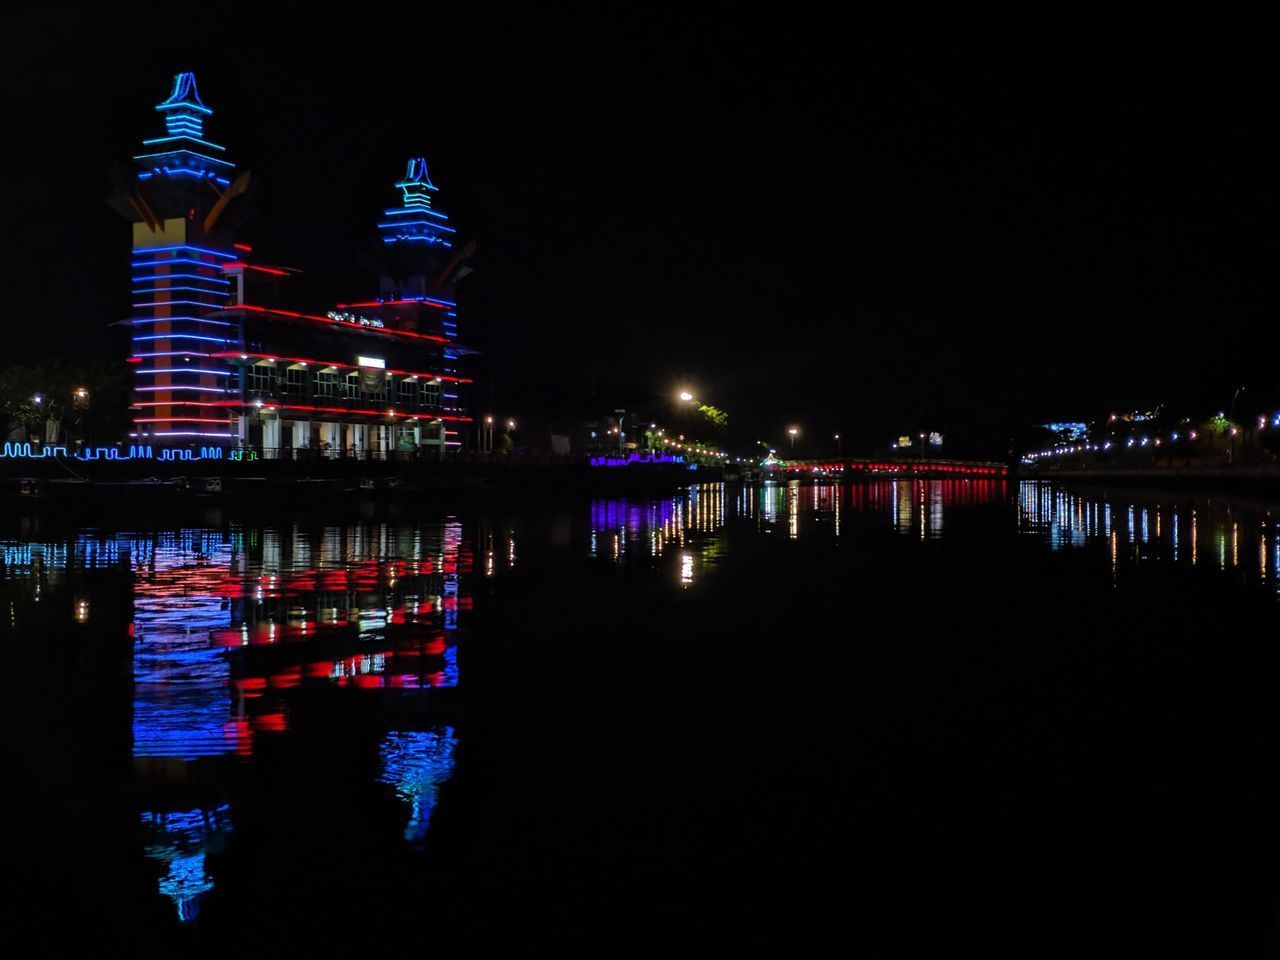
(891, 717)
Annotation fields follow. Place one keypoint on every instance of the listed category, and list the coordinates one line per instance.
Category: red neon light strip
(338, 324)
(250, 266)
(374, 413)
(243, 246)
(272, 405)
(232, 354)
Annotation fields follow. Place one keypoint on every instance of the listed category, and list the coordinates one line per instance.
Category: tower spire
(183, 151)
(416, 221)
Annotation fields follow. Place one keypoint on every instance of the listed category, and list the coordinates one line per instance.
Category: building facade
(219, 362)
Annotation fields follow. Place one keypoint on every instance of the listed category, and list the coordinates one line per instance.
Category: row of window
(264, 379)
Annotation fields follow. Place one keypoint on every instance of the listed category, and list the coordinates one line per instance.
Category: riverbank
(1193, 476)
(109, 481)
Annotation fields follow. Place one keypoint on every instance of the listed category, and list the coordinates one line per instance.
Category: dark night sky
(861, 223)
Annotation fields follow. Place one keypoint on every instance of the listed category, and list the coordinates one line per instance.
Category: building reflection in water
(229, 623)
(416, 764)
(1157, 526)
(180, 840)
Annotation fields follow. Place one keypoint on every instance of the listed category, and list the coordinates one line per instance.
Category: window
(296, 380)
(326, 384)
(407, 393)
(261, 379)
(351, 386)
(431, 393)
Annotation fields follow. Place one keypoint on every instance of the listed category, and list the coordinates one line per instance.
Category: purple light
(609, 460)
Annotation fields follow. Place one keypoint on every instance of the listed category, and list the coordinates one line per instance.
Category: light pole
(839, 451)
(488, 434)
(622, 415)
(1231, 430)
(792, 431)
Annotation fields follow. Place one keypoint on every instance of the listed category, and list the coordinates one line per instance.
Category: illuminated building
(217, 362)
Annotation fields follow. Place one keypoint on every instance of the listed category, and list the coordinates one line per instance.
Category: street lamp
(488, 435)
(792, 431)
(839, 452)
(622, 416)
(686, 396)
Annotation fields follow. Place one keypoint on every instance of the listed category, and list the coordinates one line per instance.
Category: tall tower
(178, 200)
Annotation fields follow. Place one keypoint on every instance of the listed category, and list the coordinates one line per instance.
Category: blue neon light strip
(172, 353)
(184, 105)
(182, 336)
(180, 276)
(178, 303)
(176, 153)
(443, 243)
(184, 95)
(186, 171)
(432, 300)
(136, 451)
(203, 143)
(216, 323)
(165, 263)
(417, 223)
(213, 253)
(406, 211)
(171, 289)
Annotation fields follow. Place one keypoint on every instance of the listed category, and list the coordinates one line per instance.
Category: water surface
(887, 715)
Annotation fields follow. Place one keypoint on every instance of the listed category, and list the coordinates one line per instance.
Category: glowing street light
(686, 396)
(792, 431)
